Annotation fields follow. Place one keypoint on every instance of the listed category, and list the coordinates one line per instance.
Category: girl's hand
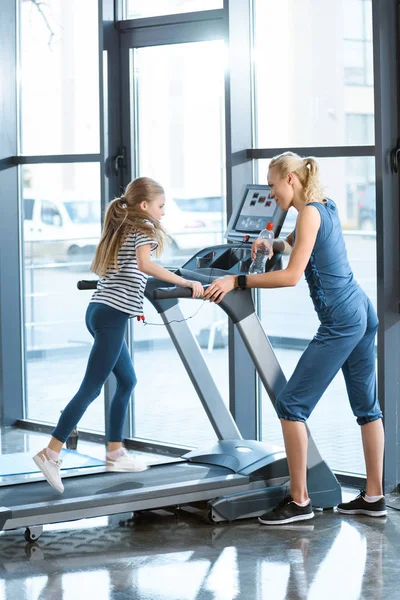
(217, 290)
(197, 288)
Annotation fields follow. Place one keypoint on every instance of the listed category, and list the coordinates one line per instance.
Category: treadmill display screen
(257, 210)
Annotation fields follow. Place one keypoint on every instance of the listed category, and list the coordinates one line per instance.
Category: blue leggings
(345, 342)
(109, 354)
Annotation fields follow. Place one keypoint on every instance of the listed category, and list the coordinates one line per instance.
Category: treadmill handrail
(173, 292)
(87, 284)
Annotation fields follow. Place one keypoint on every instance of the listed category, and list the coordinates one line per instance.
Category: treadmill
(238, 478)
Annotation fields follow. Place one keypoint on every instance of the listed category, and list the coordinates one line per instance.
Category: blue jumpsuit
(345, 338)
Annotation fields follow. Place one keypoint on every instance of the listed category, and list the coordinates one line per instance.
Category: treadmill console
(252, 214)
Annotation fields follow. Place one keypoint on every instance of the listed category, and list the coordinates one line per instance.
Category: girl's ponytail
(123, 216)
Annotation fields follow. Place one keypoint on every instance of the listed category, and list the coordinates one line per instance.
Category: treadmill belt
(111, 484)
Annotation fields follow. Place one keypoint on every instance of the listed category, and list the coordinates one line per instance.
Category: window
(358, 65)
(58, 249)
(59, 77)
(308, 72)
(179, 112)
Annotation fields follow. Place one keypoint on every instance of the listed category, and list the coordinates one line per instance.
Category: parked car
(60, 230)
(191, 228)
(67, 230)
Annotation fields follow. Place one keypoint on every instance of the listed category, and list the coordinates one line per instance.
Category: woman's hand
(255, 247)
(218, 288)
(197, 288)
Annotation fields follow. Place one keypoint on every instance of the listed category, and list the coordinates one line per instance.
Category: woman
(344, 340)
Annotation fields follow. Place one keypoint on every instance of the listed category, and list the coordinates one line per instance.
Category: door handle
(395, 158)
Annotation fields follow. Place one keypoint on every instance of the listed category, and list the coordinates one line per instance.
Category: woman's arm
(280, 246)
(283, 246)
(146, 265)
(307, 227)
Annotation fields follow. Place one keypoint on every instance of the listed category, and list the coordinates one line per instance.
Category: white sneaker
(50, 469)
(125, 462)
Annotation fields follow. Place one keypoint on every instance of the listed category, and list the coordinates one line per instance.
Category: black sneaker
(287, 511)
(359, 506)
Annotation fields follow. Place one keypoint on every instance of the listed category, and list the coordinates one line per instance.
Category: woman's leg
(296, 444)
(373, 440)
(318, 365)
(360, 376)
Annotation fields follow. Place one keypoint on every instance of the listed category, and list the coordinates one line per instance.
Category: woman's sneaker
(359, 506)
(50, 469)
(287, 511)
(125, 462)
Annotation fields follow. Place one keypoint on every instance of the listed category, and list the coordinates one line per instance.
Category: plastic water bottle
(264, 247)
(72, 440)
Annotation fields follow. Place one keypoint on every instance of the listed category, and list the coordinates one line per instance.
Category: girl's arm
(146, 265)
(307, 227)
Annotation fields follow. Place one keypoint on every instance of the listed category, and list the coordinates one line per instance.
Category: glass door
(177, 138)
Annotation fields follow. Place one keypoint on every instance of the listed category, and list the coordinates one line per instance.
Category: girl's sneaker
(50, 469)
(359, 506)
(125, 462)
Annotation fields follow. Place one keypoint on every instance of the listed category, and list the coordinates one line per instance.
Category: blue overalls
(345, 338)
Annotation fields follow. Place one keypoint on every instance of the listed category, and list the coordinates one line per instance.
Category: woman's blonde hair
(123, 216)
(306, 169)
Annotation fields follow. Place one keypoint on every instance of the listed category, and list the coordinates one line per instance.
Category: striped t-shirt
(124, 289)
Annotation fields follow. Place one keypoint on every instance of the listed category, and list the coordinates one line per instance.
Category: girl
(132, 230)
(345, 338)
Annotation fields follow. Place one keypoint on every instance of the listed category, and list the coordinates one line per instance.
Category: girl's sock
(52, 455)
(116, 453)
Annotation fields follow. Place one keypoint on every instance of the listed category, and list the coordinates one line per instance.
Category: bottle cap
(270, 226)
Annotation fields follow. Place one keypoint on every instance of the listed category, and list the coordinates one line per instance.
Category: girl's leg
(296, 443)
(108, 330)
(117, 458)
(126, 381)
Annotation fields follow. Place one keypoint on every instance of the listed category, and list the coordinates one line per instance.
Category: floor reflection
(161, 557)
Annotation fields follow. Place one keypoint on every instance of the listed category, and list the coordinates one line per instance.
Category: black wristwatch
(242, 281)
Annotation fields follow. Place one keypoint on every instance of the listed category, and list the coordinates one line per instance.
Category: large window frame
(232, 23)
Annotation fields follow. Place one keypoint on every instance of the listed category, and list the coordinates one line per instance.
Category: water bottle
(264, 248)
(72, 440)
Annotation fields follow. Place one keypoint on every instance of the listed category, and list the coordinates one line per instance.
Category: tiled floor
(164, 556)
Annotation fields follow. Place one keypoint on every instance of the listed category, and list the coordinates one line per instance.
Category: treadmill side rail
(5, 514)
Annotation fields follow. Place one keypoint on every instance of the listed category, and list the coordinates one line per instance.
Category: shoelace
(286, 500)
(361, 494)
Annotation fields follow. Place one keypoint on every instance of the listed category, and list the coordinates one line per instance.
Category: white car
(56, 230)
(190, 228)
(68, 230)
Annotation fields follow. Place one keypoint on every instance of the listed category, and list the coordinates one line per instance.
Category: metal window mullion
(55, 158)
(317, 151)
(386, 38)
(175, 34)
(174, 19)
